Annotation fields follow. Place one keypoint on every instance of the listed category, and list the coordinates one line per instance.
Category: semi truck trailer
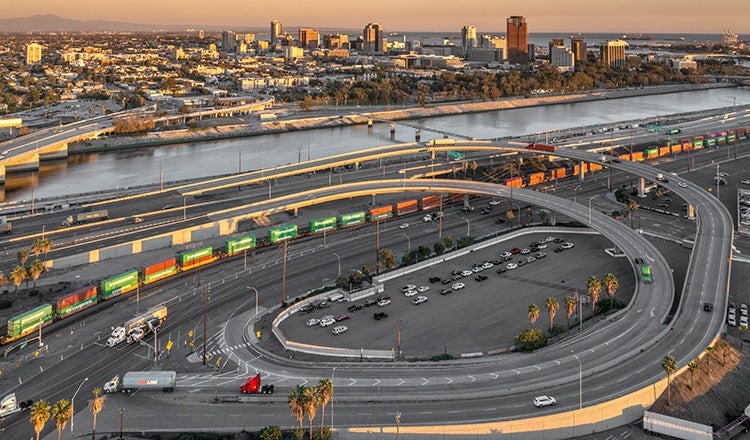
(142, 380)
(86, 217)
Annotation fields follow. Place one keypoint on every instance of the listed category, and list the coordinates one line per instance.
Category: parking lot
(466, 309)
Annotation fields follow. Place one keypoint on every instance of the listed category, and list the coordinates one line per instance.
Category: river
(95, 172)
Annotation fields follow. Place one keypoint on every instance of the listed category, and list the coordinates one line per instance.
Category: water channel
(145, 166)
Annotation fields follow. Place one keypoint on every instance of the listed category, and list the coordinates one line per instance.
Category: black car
(446, 281)
(307, 308)
(500, 221)
(379, 315)
(559, 240)
(370, 302)
(434, 279)
(480, 277)
(502, 270)
(708, 307)
(559, 249)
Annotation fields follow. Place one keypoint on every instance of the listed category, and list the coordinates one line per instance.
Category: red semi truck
(252, 386)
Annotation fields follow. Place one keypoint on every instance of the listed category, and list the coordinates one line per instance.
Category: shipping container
(240, 244)
(406, 207)
(197, 257)
(559, 173)
(731, 136)
(650, 153)
(698, 142)
(323, 224)
(119, 284)
(637, 156)
(76, 301)
(664, 151)
(515, 182)
(625, 156)
(536, 178)
(29, 321)
(431, 202)
(741, 134)
(541, 147)
(381, 212)
(282, 233)
(457, 198)
(710, 142)
(593, 166)
(157, 271)
(355, 218)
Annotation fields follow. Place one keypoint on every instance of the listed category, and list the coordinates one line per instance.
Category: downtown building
(468, 38)
(578, 46)
(33, 53)
(309, 39)
(373, 41)
(518, 40)
(275, 32)
(612, 53)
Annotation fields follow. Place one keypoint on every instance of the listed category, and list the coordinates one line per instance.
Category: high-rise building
(228, 40)
(518, 40)
(562, 58)
(33, 53)
(309, 39)
(336, 41)
(373, 41)
(578, 46)
(555, 42)
(490, 42)
(468, 37)
(613, 53)
(275, 31)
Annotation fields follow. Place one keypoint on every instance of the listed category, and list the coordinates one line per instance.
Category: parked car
(445, 291)
(434, 279)
(408, 287)
(421, 289)
(541, 246)
(325, 322)
(458, 286)
(487, 265)
(466, 273)
(505, 254)
(313, 322)
(410, 293)
(511, 266)
(502, 270)
(744, 321)
(480, 277)
(515, 251)
(540, 255)
(525, 251)
(530, 259)
(379, 315)
(339, 329)
(567, 245)
(382, 297)
(383, 302)
(542, 401)
(419, 300)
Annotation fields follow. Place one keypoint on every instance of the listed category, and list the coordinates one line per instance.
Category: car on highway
(410, 293)
(137, 220)
(383, 302)
(422, 289)
(494, 202)
(427, 218)
(419, 300)
(325, 322)
(339, 329)
(165, 207)
(542, 401)
(708, 307)
(684, 185)
(313, 322)
(403, 225)
(458, 286)
(511, 266)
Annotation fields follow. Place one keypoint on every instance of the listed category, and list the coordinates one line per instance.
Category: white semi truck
(142, 380)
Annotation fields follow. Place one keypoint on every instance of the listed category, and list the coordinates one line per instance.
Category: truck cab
(112, 386)
(9, 405)
(118, 335)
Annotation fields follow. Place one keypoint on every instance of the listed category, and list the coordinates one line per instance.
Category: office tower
(309, 39)
(555, 42)
(518, 40)
(468, 37)
(578, 46)
(275, 31)
(562, 58)
(228, 40)
(613, 53)
(33, 53)
(373, 41)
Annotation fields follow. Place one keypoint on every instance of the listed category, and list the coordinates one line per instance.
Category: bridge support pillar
(417, 135)
(373, 200)
(2, 174)
(356, 166)
(369, 123)
(466, 200)
(581, 171)
(432, 154)
(296, 212)
(641, 187)
(691, 212)
(393, 131)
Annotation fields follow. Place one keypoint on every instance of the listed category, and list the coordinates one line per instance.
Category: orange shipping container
(559, 173)
(536, 178)
(624, 156)
(406, 207)
(638, 155)
(515, 182)
(664, 151)
(676, 148)
(595, 166)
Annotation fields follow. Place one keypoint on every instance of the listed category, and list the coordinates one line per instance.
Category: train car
(430, 202)
(595, 166)
(559, 173)
(406, 207)
(118, 284)
(157, 271)
(240, 244)
(625, 156)
(542, 147)
(536, 178)
(650, 153)
(197, 257)
(380, 212)
(731, 136)
(352, 219)
(282, 233)
(698, 142)
(710, 140)
(721, 138)
(515, 182)
(665, 151)
(637, 156)
(323, 224)
(741, 134)
(29, 321)
(75, 302)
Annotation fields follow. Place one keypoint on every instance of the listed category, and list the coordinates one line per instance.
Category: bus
(646, 274)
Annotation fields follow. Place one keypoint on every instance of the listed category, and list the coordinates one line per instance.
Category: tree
(297, 404)
(610, 284)
(17, 276)
(670, 366)
(271, 433)
(531, 339)
(35, 270)
(23, 255)
(709, 352)
(96, 404)
(306, 103)
(386, 259)
(448, 242)
(530, 214)
(570, 307)
(310, 401)
(39, 416)
(46, 246)
(693, 368)
(510, 217)
(325, 392)
(542, 215)
(61, 413)
(36, 247)
(424, 251)
(725, 350)
(533, 314)
(552, 306)
(594, 288)
(439, 248)
(630, 207)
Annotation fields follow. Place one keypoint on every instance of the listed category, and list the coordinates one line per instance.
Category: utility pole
(205, 319)
(283, 276)
(377, 244)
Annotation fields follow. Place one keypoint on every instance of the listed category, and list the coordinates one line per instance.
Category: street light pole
(256, 302)
(122, 411)
(468, 227)
(339, 261)
(73, 403)
(580, 381)
(333, 377)
(590, 200)
(408, 243)
(398, 423)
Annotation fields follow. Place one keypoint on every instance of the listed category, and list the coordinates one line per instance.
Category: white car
(458, 286)
(549, 239)
(487, 265)
(403, 225)
(525, 251)
(743, 309)
(408, 287)
(467, 273)
(427, 218)
(506, 254)
(421, 289)
(542, 401)
(744, 182)
(410, 293)
(313, 322)
(419, 300)
(567, 245)
(494, 202)
(684, 185)
(477, 269)
(732, 318)
(383, 302)
(325, 322)
(542, 246)
(339, 329)
(743, 321)
(511, 266)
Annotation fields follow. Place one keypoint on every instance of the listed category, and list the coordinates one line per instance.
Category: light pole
(398, 423)
(122, 411)
(333, 377)
(590, 200)
(408, 243)
(256, 301)
(580, 381)
(43, 226)
(718, 182)
(73, 403)
(468, 227)
(339, 261)
(574, 192)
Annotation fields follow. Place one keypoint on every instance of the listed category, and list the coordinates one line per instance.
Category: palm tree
(36, 247)
(552, 306)
(693, 368)
(533, 314)
(630, 207)
(23, 255)
(96, 404)
(61, 413)
(594, 288)
(310, 401)
(510, 217)
(296, 403)
(36, 269)
(17, 276)
(39, 416)
(709, 352)
(670, 366)
(325, 391)
(610, 284)
(570, 307)
(46, 246)
(3, 279)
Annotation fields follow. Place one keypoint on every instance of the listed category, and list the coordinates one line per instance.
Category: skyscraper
(275, 31)
(228, 40)
(33, 53)
(309, 39)
(613, 53)
(373, 41)
(468, 37)
(555, 42)
(518, 40)
(578, 46)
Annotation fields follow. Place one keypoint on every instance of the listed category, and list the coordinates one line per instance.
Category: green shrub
(531, 339)
(271, 433)
(442, 357)
(5, 304)
(557, 330)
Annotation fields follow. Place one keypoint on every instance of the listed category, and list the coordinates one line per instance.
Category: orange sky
(648, 16)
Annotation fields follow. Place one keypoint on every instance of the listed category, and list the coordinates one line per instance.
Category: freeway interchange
(620, 359)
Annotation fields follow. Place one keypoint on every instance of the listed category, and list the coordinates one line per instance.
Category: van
(337, 297)
(339, 329)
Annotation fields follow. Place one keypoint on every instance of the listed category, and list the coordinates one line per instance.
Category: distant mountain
(54, 23)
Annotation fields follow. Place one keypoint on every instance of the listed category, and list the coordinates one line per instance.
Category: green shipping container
(731, 138)
(119, 284)
(354, 218)
(652, 152)
(698, 143)
(21, 324)
(240, 244)
(282, 233)
(721, 140)
(711, 142)
(189, 256)
(322, 224)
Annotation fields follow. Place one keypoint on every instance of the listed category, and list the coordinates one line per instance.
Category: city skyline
(488, 16)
